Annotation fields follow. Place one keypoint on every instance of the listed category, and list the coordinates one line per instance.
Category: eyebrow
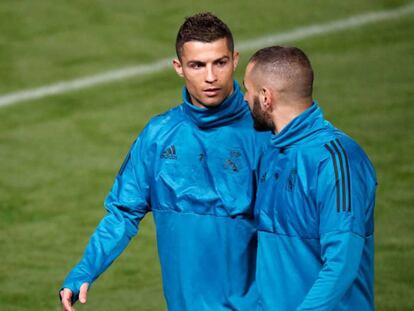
(197, 62)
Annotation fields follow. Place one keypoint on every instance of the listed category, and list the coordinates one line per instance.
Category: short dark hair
(204, 27)
(289, 63)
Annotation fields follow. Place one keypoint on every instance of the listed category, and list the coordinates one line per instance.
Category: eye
(222, 62)
(195, 65)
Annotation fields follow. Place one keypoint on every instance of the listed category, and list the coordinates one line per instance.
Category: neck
(284, 113)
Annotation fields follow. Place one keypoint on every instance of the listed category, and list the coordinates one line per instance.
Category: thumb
(83, 292)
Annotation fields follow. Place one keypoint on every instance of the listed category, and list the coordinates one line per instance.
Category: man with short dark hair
(193, 168)
(315, 198)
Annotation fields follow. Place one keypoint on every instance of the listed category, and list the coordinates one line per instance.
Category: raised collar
(300, 128)
(231, 109)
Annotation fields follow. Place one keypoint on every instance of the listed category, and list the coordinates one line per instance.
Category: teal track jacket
(193, 168)
(315, 206)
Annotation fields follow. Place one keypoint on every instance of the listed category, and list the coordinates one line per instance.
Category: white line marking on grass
(314, 30)
(145, 69)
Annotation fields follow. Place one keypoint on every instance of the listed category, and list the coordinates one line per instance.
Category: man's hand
(66, 296)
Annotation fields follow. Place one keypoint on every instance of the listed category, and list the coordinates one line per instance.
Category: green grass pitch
(59, 154)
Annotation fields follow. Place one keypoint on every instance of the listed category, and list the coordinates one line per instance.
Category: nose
(211, 75)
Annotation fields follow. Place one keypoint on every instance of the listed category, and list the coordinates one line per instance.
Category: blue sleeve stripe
(341, 165)
(348, 175)
(336, 177)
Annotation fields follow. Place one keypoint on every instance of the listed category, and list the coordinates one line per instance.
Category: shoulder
(167, 118)
(155, 129)
(340, 152)
(329, 144)
(345, 147)
(162, 123)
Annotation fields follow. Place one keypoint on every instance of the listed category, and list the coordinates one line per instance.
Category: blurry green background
(59, 154)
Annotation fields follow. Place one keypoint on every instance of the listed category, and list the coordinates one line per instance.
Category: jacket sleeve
(341, 256)
(345, 199)
(126, 204)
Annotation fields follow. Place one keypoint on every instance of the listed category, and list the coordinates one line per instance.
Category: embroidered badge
(292, 179)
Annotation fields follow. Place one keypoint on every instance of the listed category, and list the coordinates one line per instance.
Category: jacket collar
(300, 128)
(231, 109)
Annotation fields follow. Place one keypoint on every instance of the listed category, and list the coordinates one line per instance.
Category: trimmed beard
(261, 120)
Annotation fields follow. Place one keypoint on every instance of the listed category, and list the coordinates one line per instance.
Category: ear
(236, 57)
(266, 99)
(178, 67)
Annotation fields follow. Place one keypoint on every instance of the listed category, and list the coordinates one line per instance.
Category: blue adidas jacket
(315, 205)
(193, 169)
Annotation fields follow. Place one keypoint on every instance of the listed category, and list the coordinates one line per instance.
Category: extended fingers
(66, 295)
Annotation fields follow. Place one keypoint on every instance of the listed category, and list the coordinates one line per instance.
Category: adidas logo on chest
(169, 153)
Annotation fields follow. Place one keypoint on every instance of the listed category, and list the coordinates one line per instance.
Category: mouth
(210, 92)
